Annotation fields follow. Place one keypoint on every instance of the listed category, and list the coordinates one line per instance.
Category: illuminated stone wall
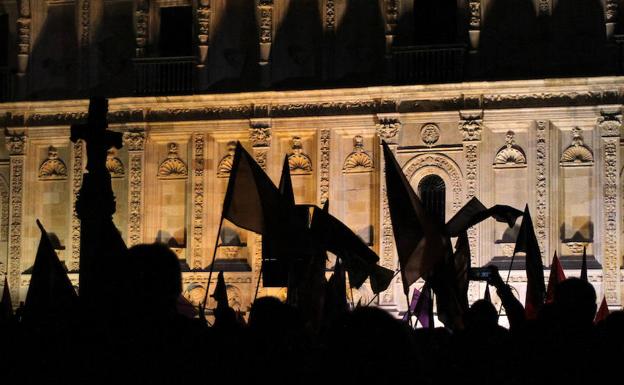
(555, 145)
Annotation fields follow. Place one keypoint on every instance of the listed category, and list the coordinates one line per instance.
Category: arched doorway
(432, 192)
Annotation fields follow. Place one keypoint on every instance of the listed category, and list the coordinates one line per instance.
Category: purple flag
(413, 303)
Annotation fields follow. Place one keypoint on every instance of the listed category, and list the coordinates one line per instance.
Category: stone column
(471, 126)
(197, 249)
(609, 125)
(16, 145)
(392, 20)
(260, 138)
(388, 127)
(265, 19)
(135, 142)
(141, 26)
(542, 188)
(23, 47)
(77, 171)
(202, 15)
(324, 171)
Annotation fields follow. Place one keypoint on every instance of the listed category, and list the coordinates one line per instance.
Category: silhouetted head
(482, 314)
(269, 313)
(575, 302)
(155, 277)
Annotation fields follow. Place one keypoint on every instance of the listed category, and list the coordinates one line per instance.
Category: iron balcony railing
(164, 75)
(429, 64)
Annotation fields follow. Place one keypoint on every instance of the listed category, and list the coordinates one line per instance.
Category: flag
(475, 212)
(584, 265)
(6, 306)
(251, 196)
(486, 294)
(220, 292)
(336, 293)
(330, 234)
(424, 308)
(603, 311)
(285, 184)
(556, 275)
(418, 239)
(50, 292)
(412, 307)
(527, 242)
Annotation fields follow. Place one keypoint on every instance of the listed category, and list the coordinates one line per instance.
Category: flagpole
(214, 255)
(258, 283)
(500, 308)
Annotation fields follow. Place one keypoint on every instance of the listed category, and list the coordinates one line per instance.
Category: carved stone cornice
(16, 143)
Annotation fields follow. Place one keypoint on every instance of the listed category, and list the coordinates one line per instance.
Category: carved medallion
(53, 167)
(298, 161)
(430, 134)
(173, 167)
(359, 160)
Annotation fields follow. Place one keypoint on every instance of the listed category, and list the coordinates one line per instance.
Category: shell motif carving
(577, 152)
(510, 154)
(173, 167)
(53, 167)
(298, 161)
(359, 160)
(225, 164)
(114, 165)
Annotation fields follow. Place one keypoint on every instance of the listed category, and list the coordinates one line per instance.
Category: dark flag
(359, 260)
(603, 311)
(220, 292)
(475, 212)
(486, 294)
(285, 184)
(251, 196)
(418, 239)
(527, 242)
(412, 306)
(336, 293)
(424, 308)
(584, 265)
(556, 275)
(50, 292)
(6, 306)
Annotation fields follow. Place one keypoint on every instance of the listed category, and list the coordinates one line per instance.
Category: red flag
(418, 239)
(556, 275)
(603, 311)
(584, 265)
(527, 242)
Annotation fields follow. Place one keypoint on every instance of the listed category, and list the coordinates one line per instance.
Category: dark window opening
(432, 192)
(4, 40)
(176, 31)
(435, 22)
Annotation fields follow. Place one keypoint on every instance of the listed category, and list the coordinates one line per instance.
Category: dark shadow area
(435, 22)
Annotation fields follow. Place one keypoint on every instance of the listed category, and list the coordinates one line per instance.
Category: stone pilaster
(609, 126)
(199, 147)
(542, 187)
(83, 10)
(77, 167)
(202, 17)
(388, 127)
(324, 172)
(24, 32)
(260, 137)
(611, 10)
(474, 24)
(135, 143)
(329, 26)
(392, 8)
(471, 127)
(16, 145)
(544, 7)
(265, 19)
(141, 26)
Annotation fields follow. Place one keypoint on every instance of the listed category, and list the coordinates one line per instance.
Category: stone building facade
(554, 144)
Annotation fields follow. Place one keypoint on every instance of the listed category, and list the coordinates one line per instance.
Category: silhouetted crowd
(138, 337)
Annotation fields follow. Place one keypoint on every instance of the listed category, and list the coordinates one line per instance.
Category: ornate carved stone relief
(260, 134)
(53, 168)
(577, 152)
(225, 164)
(359, 160)
(203, 29)
(4, 213)
(141, 20)
(298, 161)
(471, 126)
(324, 166)
(330, 15)
(135, 142)
(430, 134)
(114, 165)
(23, 36)
(77, 165)
(542, 184)
(544, 7)
(173, 167)
(388, 129)
(475, 14)
(510, 154)
(198, 200)
(265, 8)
